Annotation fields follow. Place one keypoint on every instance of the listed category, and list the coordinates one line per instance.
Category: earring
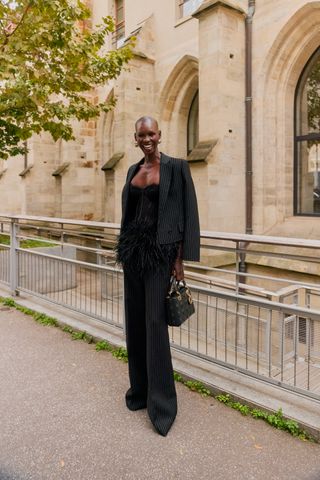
(159, 140)
(135, 144)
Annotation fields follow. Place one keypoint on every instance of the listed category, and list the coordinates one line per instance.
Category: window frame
(117, 40)
(302, 138)
(181, 3)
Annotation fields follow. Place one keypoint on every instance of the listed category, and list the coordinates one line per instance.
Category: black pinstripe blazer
(178, 218)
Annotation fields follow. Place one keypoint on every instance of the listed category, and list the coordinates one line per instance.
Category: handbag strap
(173, 285)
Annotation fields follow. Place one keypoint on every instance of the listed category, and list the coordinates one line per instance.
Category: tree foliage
(51, 59)
(313, 98)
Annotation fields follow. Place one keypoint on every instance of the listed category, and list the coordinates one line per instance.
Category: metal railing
(257, 298)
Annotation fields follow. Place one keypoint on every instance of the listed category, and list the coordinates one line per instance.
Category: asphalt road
(62, 416)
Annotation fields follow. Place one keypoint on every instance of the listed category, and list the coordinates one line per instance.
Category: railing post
(237, 268)
(14, 244)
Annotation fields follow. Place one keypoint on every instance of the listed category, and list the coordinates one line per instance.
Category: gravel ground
(63, 416)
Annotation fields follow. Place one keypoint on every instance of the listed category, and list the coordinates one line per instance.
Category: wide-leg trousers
(150, 367)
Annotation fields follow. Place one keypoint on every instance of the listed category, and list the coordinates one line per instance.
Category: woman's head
(147, 135)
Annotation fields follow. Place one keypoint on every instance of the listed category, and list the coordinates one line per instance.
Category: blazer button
(169, 231)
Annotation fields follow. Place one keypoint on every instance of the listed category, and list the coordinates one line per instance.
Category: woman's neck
(152, 158)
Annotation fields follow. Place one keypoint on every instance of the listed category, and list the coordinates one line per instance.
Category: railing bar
(282, 327)
(85, 285)
(236, 333)
(180, 335)
(285, 308)
(250, 373)
(295, 242)
(260, 277)
(109, 293)
(121, 298)
(295, 347)
(258, 340)
(90, 291)
(247, 334)
(42, 276)
(70, 260)
(188, 333)
(82, 312)
(269, 340)
(198, 303)
(80, 299)
(259, 253)
(206, 327)
(225, 332)
(308, 335)
(216, 328)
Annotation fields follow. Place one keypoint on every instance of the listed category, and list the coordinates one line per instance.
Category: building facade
(191, 70)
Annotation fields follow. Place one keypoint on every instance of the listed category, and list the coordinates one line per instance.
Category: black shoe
(135, 402)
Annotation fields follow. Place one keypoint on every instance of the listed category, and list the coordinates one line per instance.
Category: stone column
(222, 111)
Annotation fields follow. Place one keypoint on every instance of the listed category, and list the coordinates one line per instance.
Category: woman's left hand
(177, 269)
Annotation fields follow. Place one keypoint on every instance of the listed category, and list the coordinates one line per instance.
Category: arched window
(193, 124)
(307, 139)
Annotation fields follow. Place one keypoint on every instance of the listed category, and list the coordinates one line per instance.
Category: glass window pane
(190, 6)
(308, 104)
(120, 11)
(308, 177)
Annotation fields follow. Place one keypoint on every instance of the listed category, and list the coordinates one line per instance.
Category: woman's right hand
(177, 270)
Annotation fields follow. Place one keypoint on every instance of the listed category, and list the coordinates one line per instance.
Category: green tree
(51, 59)
(313, 98)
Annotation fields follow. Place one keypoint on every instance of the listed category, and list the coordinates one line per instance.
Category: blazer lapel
(125, 193)
(165, 179)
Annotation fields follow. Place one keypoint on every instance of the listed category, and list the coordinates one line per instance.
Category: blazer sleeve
(191, 236)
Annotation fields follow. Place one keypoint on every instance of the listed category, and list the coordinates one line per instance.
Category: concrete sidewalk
(62, 416)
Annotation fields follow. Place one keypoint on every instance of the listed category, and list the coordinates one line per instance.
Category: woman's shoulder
(176, 162)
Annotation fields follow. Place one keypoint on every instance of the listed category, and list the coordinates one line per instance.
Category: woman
(159, 229)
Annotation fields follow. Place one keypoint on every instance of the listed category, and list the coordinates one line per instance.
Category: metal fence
(257, 298)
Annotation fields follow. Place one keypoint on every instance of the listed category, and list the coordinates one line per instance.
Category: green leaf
(50, 64)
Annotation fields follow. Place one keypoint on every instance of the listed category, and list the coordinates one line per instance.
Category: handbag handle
(173, 285)
(175, 288)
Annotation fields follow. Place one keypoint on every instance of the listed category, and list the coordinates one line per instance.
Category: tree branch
(10, 33)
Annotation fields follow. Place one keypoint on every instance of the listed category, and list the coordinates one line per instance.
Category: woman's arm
(177, 269)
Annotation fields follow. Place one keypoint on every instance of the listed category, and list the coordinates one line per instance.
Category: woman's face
(147, 136)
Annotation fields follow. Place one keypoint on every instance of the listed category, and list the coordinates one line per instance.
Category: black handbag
(179, 303)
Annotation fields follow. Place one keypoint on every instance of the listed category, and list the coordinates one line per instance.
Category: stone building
(191, 70)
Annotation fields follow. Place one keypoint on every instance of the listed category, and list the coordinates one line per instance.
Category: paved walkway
(62, 416)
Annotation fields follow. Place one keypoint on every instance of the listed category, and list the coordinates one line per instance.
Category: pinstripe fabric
(150, 367)
(178, 217)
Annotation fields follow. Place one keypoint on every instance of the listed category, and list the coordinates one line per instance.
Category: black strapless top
(144, 203)
(137, 248)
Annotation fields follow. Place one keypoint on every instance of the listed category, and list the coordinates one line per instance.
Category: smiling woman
(159, 228)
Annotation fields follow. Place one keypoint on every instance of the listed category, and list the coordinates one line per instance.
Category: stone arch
(175, 101)
(274, 116)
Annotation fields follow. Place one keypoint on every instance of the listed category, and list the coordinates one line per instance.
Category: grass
(276, 419)
(5, 240)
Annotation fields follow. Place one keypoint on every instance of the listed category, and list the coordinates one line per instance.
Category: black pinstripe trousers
(150, 367)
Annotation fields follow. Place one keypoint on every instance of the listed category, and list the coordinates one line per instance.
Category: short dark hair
(144, 119)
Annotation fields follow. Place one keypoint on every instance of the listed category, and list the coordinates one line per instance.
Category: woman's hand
(177, 269)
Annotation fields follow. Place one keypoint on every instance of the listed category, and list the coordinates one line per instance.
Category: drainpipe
(248, 103)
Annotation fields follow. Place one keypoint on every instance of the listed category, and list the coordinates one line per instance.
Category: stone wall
(173, 59)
